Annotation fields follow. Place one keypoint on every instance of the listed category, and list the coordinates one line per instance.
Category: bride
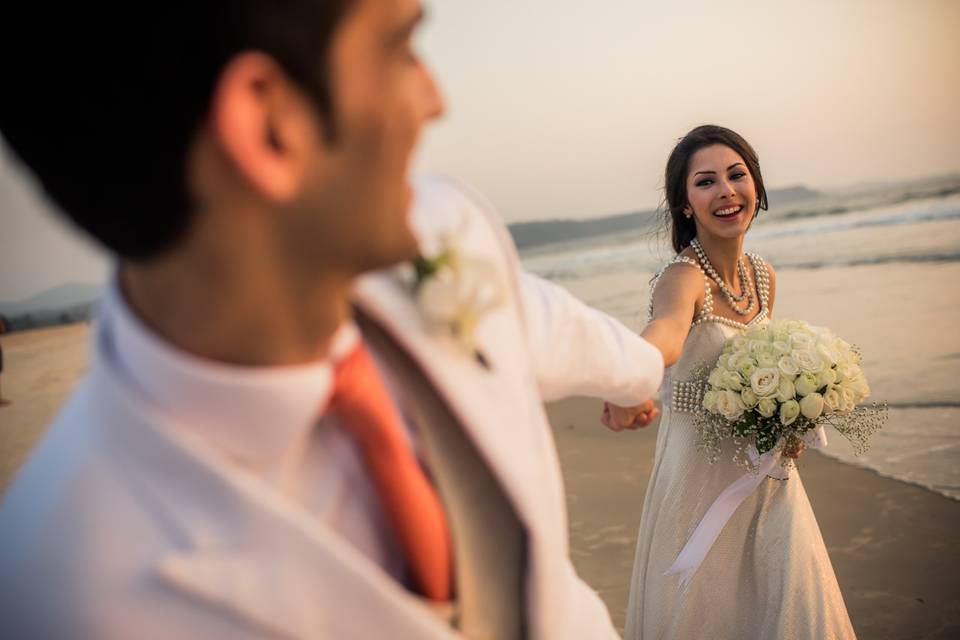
(768, 574)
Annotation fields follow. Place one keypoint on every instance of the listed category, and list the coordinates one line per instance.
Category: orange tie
(413, 508)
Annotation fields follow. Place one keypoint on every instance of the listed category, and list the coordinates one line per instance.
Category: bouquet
(776, 382)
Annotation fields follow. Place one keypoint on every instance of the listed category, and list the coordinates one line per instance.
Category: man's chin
(396, 250)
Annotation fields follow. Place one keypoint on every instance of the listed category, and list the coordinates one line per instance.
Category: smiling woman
(687, 190)
(768, 574)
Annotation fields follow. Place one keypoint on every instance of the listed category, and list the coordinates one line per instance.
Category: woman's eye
(738, 175)
(705, 182)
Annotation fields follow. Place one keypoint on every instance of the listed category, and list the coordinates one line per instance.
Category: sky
(569, 109)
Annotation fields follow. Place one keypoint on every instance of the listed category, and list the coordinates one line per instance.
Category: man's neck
(239, 312)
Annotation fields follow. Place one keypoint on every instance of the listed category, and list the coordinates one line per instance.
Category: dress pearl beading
(706, 313)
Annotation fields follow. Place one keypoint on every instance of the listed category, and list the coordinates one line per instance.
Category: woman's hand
(618, 418)
(794, 449)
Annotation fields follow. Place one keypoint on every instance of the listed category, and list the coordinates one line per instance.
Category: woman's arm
(676, 298)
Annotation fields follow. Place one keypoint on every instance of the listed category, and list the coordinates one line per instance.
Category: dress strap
(707, 308)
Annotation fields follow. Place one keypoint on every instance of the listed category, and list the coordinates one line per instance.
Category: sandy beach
(892, 544)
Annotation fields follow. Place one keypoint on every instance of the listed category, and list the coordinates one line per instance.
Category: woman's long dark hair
(683, 229)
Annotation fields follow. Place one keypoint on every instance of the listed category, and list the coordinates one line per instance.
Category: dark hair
(102, 100)
(683, 229)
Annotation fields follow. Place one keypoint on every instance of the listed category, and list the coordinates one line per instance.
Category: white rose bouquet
(775, 382)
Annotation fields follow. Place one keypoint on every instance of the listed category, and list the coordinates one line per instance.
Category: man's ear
(264, 125)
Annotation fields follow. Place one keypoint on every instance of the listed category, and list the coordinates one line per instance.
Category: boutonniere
(454, 291)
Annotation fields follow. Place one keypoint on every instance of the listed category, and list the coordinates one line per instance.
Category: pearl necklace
(745, 284)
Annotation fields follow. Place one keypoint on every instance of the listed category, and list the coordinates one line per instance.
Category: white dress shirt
(266, 421)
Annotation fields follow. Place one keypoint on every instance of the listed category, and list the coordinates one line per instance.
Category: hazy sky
(563, 108)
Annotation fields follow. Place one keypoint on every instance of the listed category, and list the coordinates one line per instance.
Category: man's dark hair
(683, 229)
(102, 101)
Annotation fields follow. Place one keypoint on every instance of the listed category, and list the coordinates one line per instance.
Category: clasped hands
(617, 418)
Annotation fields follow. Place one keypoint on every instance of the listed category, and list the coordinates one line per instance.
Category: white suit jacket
(118, 528)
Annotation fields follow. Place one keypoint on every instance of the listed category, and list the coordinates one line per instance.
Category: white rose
(767, 360)
(795, 326)
(759, 334)
(827, 352)
(729, 405)
(438, 298)
(710, 401)
(789, 411)
(842, 373)
(860, 388)
(781, 348)
(758, 346)
(808, 360)
(801, 341)
(749, 398)
(806, 383)
(767, 407)
(737, 359)
(826, 378)
(788, 365)
(812, 406)
(739, 343)
(779, 332)
(849, 402)
(786, 389)
(732, 380)
(746, 369)
(832, 400)
(723, 362)
(716, 378)
(765, 381)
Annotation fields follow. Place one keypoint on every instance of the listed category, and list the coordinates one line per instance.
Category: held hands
(618, 418)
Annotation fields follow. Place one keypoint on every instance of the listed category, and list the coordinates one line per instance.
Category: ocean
(878, 265)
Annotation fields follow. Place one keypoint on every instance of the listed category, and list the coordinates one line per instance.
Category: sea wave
(937, 211)
(646, 256)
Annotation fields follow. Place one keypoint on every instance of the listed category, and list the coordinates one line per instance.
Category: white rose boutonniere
(454, 291)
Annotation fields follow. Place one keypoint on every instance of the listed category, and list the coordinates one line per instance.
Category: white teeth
(728, 211)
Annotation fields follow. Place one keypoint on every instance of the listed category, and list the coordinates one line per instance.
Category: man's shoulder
(56, 477)
(445, 207)
(52, 516)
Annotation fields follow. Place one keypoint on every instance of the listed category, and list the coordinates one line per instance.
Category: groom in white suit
(247, 163)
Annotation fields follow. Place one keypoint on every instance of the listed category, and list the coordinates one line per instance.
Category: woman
(768, 574)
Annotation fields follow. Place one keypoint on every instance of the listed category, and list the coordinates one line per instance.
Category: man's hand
(618, 418)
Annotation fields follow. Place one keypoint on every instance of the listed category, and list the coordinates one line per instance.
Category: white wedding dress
(768, 575)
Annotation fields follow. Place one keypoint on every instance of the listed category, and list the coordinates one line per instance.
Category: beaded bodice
(706, 313)
(682, 389)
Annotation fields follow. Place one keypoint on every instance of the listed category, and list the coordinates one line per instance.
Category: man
(221, 470)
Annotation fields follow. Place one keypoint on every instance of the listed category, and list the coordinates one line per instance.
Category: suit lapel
(242, 548)
(497, 408)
